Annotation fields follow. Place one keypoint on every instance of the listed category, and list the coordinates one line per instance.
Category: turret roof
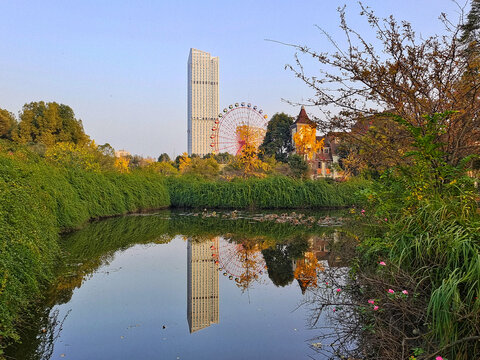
(303, 118)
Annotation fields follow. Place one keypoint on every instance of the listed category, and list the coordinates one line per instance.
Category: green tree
(164, 158)
(49, 123)
(7, 124)
(471, 29)
(221, 158)
(206, 168)
(106, 156)
(224, 158)
(163, 168)
(298, 166)
(278, 139)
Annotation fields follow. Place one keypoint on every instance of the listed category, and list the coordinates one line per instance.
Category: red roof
(324, 157)
(303, 118)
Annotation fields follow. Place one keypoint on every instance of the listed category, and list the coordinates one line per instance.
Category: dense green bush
(267, 193)
(426, 228)
(37, 201)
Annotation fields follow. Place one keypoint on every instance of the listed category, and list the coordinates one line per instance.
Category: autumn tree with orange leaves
(306, 142)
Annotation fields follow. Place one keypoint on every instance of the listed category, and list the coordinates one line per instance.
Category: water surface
(178, 286)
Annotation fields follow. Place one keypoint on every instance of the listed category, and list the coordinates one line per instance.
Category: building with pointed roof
(324, 162)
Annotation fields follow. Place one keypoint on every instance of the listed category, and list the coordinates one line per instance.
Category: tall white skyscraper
(202, 100)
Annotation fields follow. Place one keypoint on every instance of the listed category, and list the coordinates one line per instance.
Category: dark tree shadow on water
(40, 344)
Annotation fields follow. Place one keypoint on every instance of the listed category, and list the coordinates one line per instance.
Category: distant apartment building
(202, 100)
(202, 285)
(122, 153)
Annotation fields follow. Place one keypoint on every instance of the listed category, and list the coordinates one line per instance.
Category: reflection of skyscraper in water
(202, 292)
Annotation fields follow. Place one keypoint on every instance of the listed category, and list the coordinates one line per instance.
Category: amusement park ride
(237, 126)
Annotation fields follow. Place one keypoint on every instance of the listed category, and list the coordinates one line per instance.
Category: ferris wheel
(237, 126)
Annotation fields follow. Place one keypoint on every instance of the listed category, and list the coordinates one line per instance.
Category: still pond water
(174, 285)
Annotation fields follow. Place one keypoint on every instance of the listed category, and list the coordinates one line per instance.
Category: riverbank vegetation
(419, 261)
(37, 201)
(409, 115)
(264, 193)
(47, 189)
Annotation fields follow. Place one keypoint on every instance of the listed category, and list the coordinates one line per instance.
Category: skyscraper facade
(202, 100)
(202, 285)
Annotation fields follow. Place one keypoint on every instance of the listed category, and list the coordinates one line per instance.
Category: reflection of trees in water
(333, 316)
(339, 335)
(42, 342)
(279, 259)
(279, 265)
(275, 245)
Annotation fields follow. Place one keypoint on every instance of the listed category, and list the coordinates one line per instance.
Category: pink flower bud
(375, 308)
(371, 301)
(439, 358)
(382, 263)
(391, 291)
(338, 290)
(405, 292)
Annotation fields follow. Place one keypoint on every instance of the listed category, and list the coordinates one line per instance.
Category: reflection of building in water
(315, 259)
(305, 271)
(320, 246)
(202, 279)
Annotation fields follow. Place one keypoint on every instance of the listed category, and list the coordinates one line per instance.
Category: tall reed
(267, 193)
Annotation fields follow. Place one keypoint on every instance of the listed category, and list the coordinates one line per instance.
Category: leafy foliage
(48, 123)
(433, 239)
(163, 168)
(7, 124)
(164, 158)
(221, 158)
(298, 166)
(471, 29)
(305, 140)
(204, 168)
(278, 139)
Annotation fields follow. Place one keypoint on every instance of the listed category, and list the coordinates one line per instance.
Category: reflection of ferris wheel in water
(239, 125)
(241, 263)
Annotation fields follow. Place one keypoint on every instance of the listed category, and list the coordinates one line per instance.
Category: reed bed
(266, 193)
(441, 251)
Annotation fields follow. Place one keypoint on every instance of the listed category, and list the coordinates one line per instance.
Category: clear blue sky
(122, 65)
